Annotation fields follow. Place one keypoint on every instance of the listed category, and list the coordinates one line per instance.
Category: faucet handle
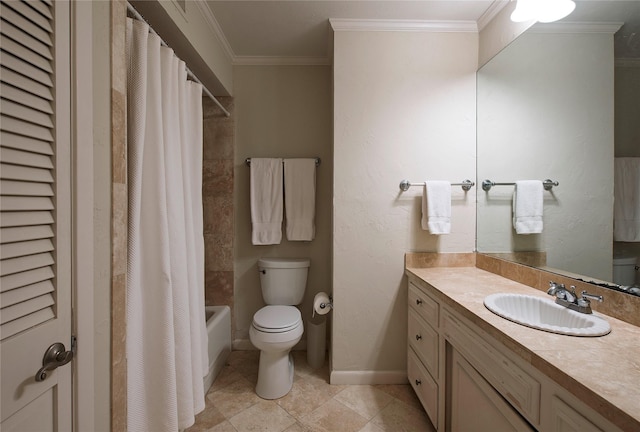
(585, 295)
(556, 289)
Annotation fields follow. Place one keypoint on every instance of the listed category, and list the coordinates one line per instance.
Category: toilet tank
(283, 280)
(624, 270)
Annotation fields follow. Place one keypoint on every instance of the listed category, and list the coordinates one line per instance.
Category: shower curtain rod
(136, 14)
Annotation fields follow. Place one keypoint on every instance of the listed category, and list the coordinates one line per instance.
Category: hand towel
(436, 207)
(626, 192)
(266, 201)
(528, 207)
(300, 198)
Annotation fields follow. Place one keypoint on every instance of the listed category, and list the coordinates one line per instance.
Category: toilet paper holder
(322, 304)
(327, 305)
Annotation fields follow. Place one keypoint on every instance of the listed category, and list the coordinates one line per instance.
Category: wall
(217, 201)
(117, 409)
(627, 129)
(404, 108)
(545, 110)
(280, 111)
(627, 107)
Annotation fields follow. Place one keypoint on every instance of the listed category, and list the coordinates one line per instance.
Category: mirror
(546, 106)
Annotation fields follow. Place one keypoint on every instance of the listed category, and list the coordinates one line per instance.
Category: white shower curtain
(166, 335)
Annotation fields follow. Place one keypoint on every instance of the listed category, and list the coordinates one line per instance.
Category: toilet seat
(277, 319)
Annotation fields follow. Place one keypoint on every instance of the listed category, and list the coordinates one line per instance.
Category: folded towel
(266, 201)
(300, 198)
(436, 207)
(626, 192)
(527, 207)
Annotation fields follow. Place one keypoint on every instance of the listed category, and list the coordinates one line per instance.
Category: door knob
(56, 355)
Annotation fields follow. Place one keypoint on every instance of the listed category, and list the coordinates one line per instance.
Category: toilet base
(275, 374)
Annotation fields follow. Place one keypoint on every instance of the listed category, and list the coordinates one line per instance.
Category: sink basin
(544, 314)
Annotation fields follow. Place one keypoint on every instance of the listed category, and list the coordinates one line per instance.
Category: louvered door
(35, 221)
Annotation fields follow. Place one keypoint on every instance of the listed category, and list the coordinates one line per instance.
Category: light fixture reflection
(542, 10)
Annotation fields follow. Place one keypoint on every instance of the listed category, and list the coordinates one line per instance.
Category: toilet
(624, 270)
(277, 327)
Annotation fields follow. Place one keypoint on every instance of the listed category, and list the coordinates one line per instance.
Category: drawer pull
(418, 337)
(418, 301)
(418, 382)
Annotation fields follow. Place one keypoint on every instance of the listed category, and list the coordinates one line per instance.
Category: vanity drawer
(515, 385)
(427, 308)
(424, 340)
(424, 386)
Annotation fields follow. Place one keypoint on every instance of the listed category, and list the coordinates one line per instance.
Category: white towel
(626, 207)
(436, 207)
(528, 207)
(266, 201)
(300, 198)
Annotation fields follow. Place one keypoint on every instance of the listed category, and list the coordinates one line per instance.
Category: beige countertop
(604, 372)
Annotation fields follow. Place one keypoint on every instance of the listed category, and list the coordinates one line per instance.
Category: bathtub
(219, 336)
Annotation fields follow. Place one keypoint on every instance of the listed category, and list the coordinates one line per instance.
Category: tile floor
(312, 405)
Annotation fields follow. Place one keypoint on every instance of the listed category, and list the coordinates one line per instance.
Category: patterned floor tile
(312, 405)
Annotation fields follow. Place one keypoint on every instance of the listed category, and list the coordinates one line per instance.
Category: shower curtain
(166, 335)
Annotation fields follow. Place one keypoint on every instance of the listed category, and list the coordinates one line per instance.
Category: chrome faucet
(560, 292)
(568, 298)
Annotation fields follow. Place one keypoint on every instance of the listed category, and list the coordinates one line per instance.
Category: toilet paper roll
(321, 304)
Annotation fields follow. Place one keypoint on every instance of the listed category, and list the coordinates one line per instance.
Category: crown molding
(340, 24)
(491, 13)
(280, 61)
(576, 27)
(215, 26)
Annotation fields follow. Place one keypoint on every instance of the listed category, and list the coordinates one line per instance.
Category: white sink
(544, 314)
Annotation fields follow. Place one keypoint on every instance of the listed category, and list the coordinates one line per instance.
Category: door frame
(91, 235)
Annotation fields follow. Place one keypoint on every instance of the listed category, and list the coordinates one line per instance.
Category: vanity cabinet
(475, 405)
(468, 381)
(566, 419)
(423, 356)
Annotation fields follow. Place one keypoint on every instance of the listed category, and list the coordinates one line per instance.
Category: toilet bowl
(277, 327)
(274, 331)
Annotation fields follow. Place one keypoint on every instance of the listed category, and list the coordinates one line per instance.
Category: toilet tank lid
(624, 260)
(284, 262)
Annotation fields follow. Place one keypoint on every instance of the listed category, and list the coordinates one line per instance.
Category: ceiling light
(542, 10)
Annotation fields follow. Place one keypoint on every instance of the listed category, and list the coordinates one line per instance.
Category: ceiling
(298, 31)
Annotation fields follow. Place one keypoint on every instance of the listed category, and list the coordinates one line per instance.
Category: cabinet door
(424, 386)
(424, 340)
(474, 405)
(566, 419)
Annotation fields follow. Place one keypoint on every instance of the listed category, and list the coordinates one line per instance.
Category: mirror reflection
(562, 102)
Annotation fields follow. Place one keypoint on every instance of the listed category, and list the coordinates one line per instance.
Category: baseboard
(368, 377)
(242, 345)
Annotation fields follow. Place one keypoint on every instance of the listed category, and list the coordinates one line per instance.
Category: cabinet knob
(418, 382)
(418, 301)
(418, 337)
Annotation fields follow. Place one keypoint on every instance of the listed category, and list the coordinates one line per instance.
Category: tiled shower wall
(217, 200)
(119, 205)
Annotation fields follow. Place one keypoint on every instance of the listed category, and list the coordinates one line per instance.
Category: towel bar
(248, 161)
(466, 185)
(488, 184)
